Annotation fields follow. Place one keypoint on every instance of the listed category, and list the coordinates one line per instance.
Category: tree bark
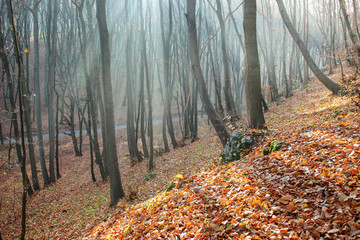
(252, 71)
(167, 88)
(229, 100)
(332, 86)
(352, 35)
(44, 171)
(116, 190)
(145, 66)
(195, 65)
(51, 90)
(21, 85)
(95, 73)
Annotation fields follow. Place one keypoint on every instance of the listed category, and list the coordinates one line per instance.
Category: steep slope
(309, 189)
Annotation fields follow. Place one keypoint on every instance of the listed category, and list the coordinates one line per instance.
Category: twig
(217, 31)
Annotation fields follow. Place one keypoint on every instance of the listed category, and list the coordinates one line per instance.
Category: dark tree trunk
(116, 190)
(332, 86)
(95, 72)
(167, 89)
(195, 64)
(57, 138)
(21, 84)
(51, 74)
(252, 71)
(145, 67)
(353, 37)
(131, 108)
(44, 171)
(229, 100)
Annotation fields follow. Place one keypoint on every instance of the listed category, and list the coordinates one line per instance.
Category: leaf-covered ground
(309, 189)
(69, 208)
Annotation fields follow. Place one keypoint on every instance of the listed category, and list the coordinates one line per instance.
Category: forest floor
(307, 189)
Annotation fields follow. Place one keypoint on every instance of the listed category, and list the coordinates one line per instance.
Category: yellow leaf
(126, 229)
(109, 237)
(179, 176)
(26, 50)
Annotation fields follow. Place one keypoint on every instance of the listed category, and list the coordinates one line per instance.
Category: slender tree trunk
(332, 86)
(91, 146)
(95, 72)
(354, 39)
(21, 84)
(166, 55)
(145, 67)
(44, 171)
(131, 108)
(51, 90)
(229, 100)
(57, 138)
(116, 190)
(195, 64)
(14, 121)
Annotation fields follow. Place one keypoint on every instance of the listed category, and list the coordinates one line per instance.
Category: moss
(148, 176)
(275, 145)
(234, 148)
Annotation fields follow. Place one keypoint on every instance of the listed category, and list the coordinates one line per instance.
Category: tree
(165, 39)
(332, 86)
(131, 136)
(197, 72)
(21, 84)
(116, 189)
(252, 72)
(230, 104)
(52, 45)
(145, 67)
(95, 72)
(354, 39)
(44, 171)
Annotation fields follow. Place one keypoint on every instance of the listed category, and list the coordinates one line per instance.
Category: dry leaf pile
(309, 189)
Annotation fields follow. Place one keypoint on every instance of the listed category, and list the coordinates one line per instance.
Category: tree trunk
(44, 171)
(21, 84)
(95, 73)
(195, 62)
(51, 90)
(252, 71)
(332, 86)
(229, 100)
(145, 67)
(166, 55)
(116, 190)
(352, 35)
(131, 108)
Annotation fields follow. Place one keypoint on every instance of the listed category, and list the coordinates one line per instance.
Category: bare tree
(332, 86)
(353, 37)
(229, 100)
(21, 85)
(34, 11)
(165, 39)
(195, 65)
(116, 190)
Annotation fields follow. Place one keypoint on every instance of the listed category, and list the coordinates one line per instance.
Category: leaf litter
(307, 189)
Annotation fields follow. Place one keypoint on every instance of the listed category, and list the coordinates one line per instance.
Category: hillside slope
(309, 189)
